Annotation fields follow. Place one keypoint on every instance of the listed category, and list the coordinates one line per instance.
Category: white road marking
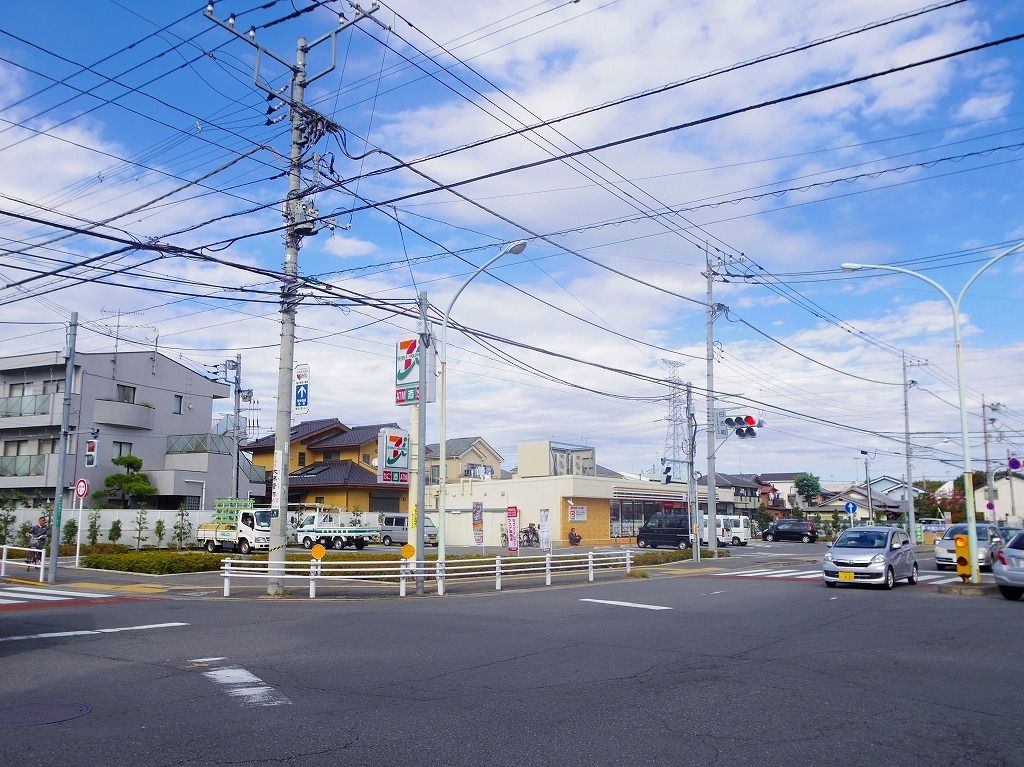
(625, 604)
(62, 634)
(787, 574)
(248, 688)
(205, 660)
(745, 573)
(36, 597)
(809, 574)
(67, 594)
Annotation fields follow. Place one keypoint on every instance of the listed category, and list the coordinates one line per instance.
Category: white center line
(625, 604)
(61, 634)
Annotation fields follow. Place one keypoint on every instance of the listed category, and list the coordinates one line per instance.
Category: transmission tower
(675, 431)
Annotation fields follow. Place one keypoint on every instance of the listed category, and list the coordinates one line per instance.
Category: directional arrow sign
(850, 507)
(301, 382)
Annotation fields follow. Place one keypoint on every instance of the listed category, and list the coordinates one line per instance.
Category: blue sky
(727, 156)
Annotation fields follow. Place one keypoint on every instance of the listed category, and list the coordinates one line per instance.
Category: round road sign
(990, 506)
(1014, 463)
(408, 551)
(81, 488)
(318, 551)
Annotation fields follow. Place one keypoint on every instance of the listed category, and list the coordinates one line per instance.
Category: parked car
(870, 554)
(1008, 533)
(665, 530)
(791, 530)
(1008, 568)
(989, 543)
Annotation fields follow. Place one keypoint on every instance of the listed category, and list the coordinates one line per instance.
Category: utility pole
(867, 488)
(908, 486)
(692, 505)
(420, 414)
(65, 441)
(234, 424)
(302, 219)
(990, 488)
(712, 313)
(1009, 480)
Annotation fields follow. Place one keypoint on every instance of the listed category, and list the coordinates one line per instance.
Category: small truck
(236, 526)
(335, 530)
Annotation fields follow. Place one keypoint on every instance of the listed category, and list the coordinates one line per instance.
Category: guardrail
(403, 571)
(40, 565)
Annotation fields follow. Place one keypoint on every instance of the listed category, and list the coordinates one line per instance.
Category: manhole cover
(41, 713)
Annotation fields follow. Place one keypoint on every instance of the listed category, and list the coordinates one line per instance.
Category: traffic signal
(744, 426)
(666, 474)
(962, 552)
(91, 445)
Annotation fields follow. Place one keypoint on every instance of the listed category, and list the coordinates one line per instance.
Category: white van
(394, 528)
(732, 529)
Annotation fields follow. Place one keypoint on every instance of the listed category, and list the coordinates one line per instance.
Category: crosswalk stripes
(20, 595)
(932, 578)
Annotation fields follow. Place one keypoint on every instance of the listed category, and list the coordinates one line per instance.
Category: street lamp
(972, 533)
(515, 248)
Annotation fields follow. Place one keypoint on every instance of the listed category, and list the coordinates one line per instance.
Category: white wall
(107, 516)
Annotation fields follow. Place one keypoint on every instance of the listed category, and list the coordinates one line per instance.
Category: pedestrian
(574, 537)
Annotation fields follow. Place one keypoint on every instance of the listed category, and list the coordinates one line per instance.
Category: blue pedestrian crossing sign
(850, 507)
(301, 397)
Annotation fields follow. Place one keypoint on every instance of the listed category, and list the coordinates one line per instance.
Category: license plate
(845, 576)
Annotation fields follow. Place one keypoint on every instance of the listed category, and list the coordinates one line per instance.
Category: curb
(968, 589)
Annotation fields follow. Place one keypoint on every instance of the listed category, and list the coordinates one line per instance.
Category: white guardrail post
(3, 562)
(226, 565)
(43, 561)
(497, 572)
(547, 569)
(440, 577)
(590, 565)
(402, 569)
(314, 570)
(629, 560)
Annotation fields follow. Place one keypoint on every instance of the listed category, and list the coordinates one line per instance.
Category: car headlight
(828, 556)
(878, 559)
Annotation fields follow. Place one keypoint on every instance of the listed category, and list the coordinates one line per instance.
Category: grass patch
(638, 574)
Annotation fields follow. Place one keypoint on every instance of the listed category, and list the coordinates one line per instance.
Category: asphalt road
(731, 671)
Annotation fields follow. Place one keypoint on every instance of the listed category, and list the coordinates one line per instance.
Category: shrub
(93, 534)
(155, 562)
(115, 531)
(69, 532)
(159, 530)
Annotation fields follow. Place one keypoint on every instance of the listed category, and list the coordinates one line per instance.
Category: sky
(632, 145)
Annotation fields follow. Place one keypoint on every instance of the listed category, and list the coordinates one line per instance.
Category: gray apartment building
(139, 403)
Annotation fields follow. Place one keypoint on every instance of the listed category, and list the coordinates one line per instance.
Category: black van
(665, 530)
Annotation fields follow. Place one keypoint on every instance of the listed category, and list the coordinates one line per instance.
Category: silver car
(879, 555)
(989, 543)
(1008, 568)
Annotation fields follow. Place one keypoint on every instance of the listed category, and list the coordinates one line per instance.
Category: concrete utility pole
(234, 424)
(302, 219)
(867, 488)
(710, 359)
(990, 487)
(908, 486)
(420, 412)
(65, 439)
(1009, 481)
(692, 505)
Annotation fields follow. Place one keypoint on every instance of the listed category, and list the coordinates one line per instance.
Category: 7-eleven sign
(414, 372)
(393, 457)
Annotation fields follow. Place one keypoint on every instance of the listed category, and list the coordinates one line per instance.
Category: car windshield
(862, 539)
(262, 519)
(982, 531)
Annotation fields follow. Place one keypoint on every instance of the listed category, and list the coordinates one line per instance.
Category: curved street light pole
(972, 533)
(515, 248)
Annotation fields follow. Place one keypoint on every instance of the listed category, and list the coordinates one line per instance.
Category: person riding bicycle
(37, 537)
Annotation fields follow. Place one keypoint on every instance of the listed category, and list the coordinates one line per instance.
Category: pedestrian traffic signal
(744, 426)
(666, 474)
(962, 552)
(91, 446)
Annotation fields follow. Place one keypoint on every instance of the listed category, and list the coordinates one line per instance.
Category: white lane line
(810, 574)
(9, 602)
(625, 604)
(769, 574)
(248, 688)
(205, 660)
(927, 577)
(795, 574)
(750, 572)
(38, 597)
(62, 634)
(81, 594)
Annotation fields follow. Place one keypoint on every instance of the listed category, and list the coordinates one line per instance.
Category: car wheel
(830, 584)
(211, 546)
(307, 543)
(244, 547)
(890, 579)
(386, 540)
(735, 541)
(683, 544)
(361, 544)
(769, 537)
(1011, 592)
(641, 543)
(338, 543)
(913, 575)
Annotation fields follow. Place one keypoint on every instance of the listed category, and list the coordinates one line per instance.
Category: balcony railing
(200, 443)
(34, 404)
(22, 465)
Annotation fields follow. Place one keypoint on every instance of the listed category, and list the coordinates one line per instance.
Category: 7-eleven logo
(396, 453)
(407, 361)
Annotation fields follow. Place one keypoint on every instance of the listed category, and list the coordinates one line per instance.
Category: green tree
(808, 487)
(115, 531)
(94, 526)
(763, 517)
(159, 530)
(133, 484)
(182, 530)
(140, 525)
(22, 538)
(8, 503)
(978, 479)
(69, 532)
